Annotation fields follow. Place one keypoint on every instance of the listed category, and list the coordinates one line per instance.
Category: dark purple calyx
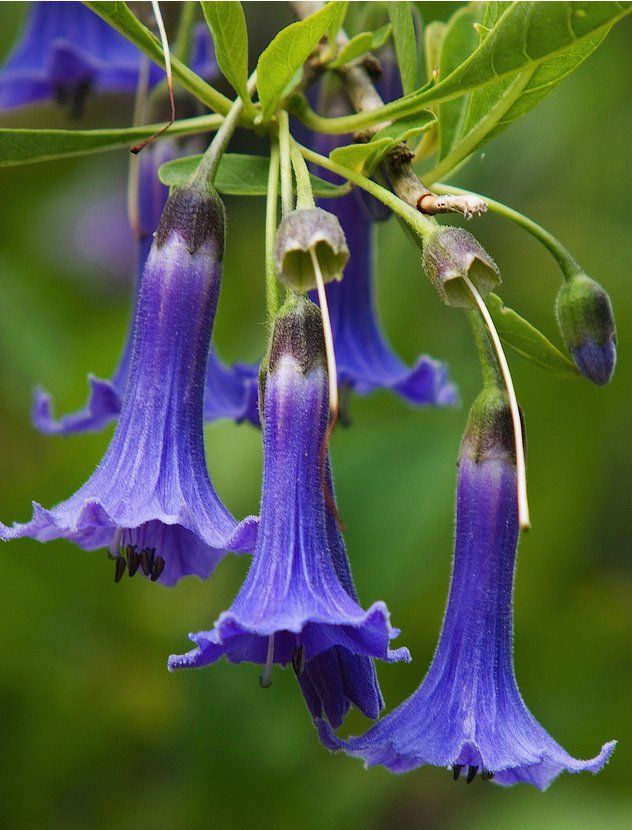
(196, 214)
(489, 434)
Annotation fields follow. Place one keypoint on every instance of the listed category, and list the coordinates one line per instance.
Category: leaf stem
(272, 284)
(304, 194)
(287, 198)
(206, 170)
(567, 263)
(422, 225)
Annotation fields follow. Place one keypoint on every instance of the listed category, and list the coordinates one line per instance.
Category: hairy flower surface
(230, 391)
(67, 52)
(468, 711)
(294, 605)
(151, 500)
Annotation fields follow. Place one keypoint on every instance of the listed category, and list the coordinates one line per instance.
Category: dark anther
(471, 774)
(157, 568)
(298, 660)
(133, 559)
(147, 560)
(456, 771)
(487, 775)
(119, 568)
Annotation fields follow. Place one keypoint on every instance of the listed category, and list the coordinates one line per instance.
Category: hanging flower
(67, 52)
(294, 606)
(150, 501)
(468, 713)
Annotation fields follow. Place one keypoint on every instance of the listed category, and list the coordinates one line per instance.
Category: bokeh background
(93, 731)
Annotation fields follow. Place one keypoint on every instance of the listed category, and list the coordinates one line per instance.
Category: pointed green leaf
(238, 175)
(360, 44)
(363, 158)
(228, 26)
(461, 39)
(285, 55)
(526, 35)
(521, 336)
(29, 146)
(401, 17)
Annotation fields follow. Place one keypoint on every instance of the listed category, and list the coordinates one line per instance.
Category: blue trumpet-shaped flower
(67, 52)
(365, 359)
(468, 712)
(297, 602)
(150, 501)
(230, 391)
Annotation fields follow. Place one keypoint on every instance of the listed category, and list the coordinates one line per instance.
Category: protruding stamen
(332, 370)
(298, 660)
(119, 568)
(147, 560)
(521, 469)
(456, 771)
(133, 558)
(471, 774)
(157, 568)
(265, 681)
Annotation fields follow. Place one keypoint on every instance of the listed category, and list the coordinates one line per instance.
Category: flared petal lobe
(67, 52)
(151, 500)
(468, 712)
(293, 606)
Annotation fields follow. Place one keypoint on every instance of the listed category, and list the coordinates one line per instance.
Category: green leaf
(401, 17)
(360, 44)
(238, 175)
(117, 15)
(360, 157)
(521, 336)
(433, 42)
(285, 55)
(526, 35)
(461, 39)
(363, 158)
(228, 26)
(336, 22)
(29, 146)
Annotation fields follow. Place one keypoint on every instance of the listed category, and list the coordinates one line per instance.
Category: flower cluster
(151, 505)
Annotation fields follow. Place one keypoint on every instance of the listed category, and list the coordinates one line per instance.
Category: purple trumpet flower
(151, 500)
(67, 52)
(297, 603)
(230, 391)
(365, 359)
(468, 712)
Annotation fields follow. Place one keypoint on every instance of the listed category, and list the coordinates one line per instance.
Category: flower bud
(449, 255)
(301, 234)
(586, 320)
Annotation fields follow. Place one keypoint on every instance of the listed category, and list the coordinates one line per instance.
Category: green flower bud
(449, 254)
(301, 234)
(586, 320)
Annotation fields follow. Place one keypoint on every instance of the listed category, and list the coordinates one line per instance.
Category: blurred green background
(95, 733)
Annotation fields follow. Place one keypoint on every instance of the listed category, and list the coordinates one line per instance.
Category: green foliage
(459, 40)
(526, 340)
(228, 26)
(119, 16)
(284, 57)
(362, 43)
(238, 175)
(401, 17)
(23, 146)
(366, 157)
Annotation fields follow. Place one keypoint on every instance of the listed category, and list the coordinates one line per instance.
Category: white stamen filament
(165, 45)
(521, 469)
(332, 370)
(266, 677)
